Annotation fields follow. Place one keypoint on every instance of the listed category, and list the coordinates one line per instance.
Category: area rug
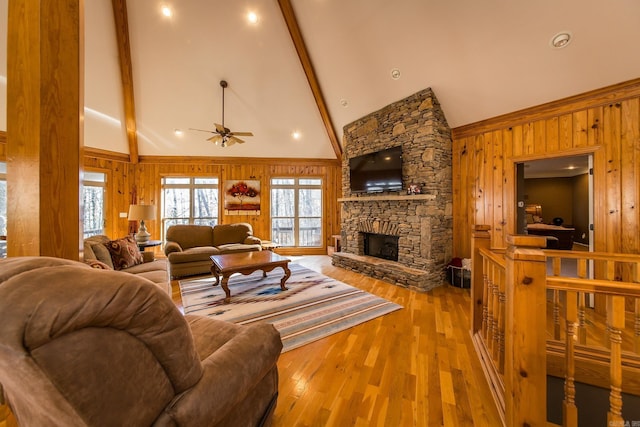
(314, 306)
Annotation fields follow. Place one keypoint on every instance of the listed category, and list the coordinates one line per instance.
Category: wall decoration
(242, 197)
(414, 189)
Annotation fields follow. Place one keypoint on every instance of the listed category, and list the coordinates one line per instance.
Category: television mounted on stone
(376, 172)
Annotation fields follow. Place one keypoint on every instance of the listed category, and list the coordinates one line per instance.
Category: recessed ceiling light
(395, 74)
(252, 17)
(561, 39)
(166, 11)
(296, 134)
(344, 103)
(178, 132)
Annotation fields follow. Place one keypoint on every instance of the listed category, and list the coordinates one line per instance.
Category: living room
(599, 118)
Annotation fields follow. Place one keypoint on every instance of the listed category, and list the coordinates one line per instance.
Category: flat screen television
(376, 172)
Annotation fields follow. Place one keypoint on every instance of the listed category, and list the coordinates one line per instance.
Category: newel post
(480, 239)
(525, 332)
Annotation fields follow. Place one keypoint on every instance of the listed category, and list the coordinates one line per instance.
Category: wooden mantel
(388, 197)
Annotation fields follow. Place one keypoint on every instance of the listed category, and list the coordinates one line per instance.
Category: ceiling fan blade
(215, 139)
(233, 139)
(220, 128)
(241, 133)
(203, 130)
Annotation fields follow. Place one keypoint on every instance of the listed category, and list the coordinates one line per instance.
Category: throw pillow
(94, 263)
(124, 253)
(102, 254)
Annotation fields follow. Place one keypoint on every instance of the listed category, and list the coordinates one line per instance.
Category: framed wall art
(242, 197)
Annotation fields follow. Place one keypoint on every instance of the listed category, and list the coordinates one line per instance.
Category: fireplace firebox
(381, 246)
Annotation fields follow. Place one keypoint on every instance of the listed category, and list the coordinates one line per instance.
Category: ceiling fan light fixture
(561, 40)
(222, 133)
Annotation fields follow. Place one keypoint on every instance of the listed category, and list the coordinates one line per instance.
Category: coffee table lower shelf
(246, 263)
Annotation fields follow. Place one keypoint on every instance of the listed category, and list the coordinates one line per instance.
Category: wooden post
(525, 338)
(635, 274)
(615, 323)
(480, 239)
(502, 297)
(569, 409)
(45, 87)
(582, 304)
(557, 268)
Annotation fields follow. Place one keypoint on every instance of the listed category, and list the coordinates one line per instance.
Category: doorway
(555, 199)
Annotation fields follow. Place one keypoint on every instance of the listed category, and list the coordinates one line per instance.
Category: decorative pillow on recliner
(124, 253)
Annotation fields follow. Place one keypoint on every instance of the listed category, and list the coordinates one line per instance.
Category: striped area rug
(314, 306)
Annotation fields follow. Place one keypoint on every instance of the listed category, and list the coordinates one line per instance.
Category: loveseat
(82, 347)
(100, 251)
(188, 247)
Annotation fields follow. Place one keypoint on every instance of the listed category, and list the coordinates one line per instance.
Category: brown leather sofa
(96, 249)
(188, 247)
(86, 347)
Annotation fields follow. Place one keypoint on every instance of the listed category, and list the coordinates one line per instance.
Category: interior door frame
(590, 151)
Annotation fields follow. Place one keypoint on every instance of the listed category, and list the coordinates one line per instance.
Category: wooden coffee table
(246, 263)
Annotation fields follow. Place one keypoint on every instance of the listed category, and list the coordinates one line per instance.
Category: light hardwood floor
(413, 367)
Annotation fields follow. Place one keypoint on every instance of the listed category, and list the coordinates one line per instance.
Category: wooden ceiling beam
(126, 74)
(305, 60)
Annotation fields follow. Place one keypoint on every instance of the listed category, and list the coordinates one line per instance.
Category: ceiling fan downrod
(224, 84)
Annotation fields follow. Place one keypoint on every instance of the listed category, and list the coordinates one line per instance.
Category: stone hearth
(423, 222)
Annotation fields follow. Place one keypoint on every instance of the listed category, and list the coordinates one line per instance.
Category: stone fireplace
(411, 235)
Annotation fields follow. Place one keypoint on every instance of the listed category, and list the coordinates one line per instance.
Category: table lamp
(140, 213)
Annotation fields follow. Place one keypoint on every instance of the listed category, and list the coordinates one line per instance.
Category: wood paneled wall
(123, 177)
(145, 178)
(604, 122)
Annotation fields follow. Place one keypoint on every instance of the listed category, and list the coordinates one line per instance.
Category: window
(3, 208)
(189, 200)
(93, 203)
(296, 211)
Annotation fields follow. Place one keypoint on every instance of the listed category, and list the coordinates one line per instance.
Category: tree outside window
(93, 203)
(3, 209)
(189, 200)
(296, 212)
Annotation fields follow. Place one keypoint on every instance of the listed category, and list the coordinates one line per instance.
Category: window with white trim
(296, 211)
(189, 200)
(3, 209)
(94, 187)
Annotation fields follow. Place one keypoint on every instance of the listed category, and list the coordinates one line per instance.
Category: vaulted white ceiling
(481, 58)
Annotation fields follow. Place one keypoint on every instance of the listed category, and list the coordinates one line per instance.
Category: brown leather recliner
(80, 347)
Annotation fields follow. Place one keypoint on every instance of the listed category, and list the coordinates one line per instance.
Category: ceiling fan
(222, 134)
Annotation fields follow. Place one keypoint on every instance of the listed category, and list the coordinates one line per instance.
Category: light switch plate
(123, 214)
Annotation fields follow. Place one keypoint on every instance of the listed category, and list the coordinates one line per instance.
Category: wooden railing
(510, 324)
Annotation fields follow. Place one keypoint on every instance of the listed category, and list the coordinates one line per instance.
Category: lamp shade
(142, 212)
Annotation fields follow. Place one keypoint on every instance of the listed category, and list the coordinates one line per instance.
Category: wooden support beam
(126, 75)
(305, 60)
(45, 93)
